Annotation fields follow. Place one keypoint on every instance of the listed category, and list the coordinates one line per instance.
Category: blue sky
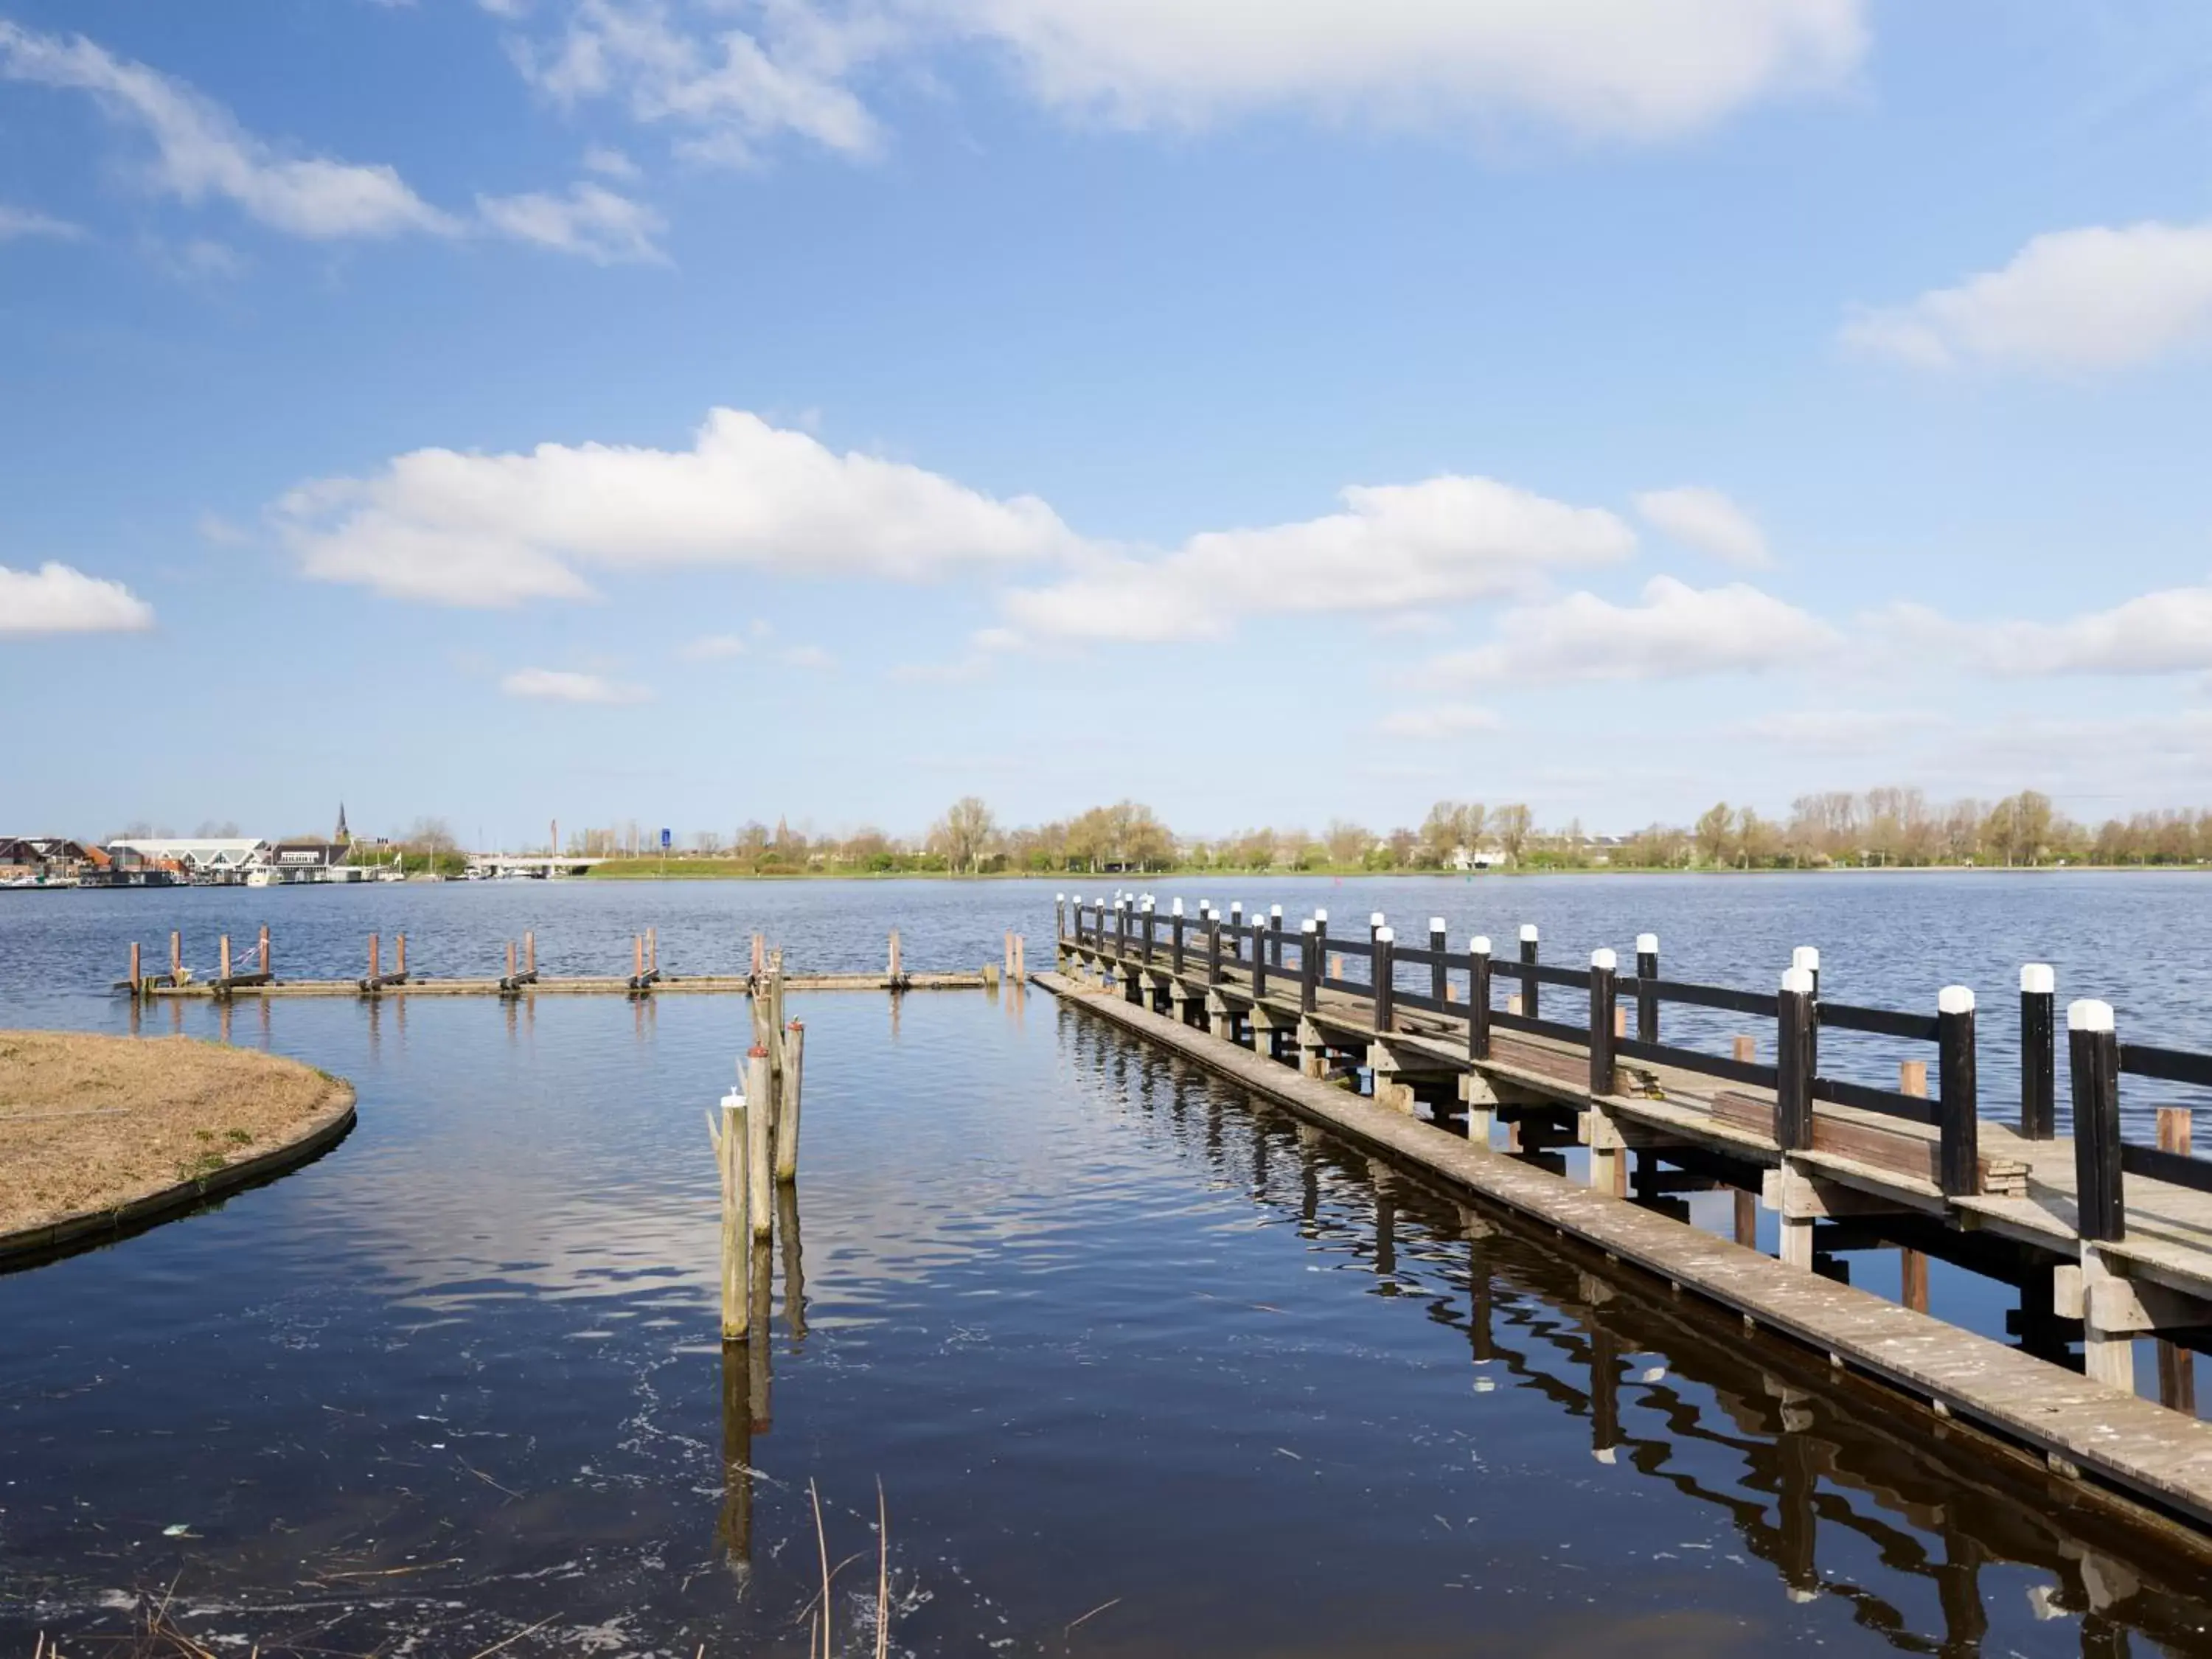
(711, 410)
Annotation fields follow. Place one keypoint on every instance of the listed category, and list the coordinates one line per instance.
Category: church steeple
(342, 837)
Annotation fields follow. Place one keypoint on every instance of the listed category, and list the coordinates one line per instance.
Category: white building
(197, 852)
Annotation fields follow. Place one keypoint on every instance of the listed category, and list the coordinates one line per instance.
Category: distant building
(198, 855)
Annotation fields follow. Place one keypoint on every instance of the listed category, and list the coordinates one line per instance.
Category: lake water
(1140, 1369)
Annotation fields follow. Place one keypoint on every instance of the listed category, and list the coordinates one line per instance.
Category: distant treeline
(1880, 828)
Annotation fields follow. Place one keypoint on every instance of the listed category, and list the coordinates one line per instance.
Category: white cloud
(2163, 633)
(808, 656)
(200, 151)
(490, 530)
(1707, 520)
(560, 685)
(55, 600)
(22, 222)
(610, 163)
(1678, 631)
(1836, 731)
(1395, 546)
(1449, 719)
(2096, 298)
(714, 647)
(1609, 68)
(726, 91)
(591, 221)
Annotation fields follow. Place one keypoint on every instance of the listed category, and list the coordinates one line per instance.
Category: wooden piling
(399, 966)
(1744, 1050)
(2039, 1052)
(1439, 944)
(760, 1112)
(653, 951)
(1912, 1266)
(1647, 999)
(222, 973)
(530, 954)
(2095, 1054)
(786, 1113)
(176, 959)
(2176, 1366)
(1478, 998)
(1384, 994)
(375, 960)
(1603, 1027)
(1021, 949)
(760, 955)
(897, 974)
(730, 1147)
(1958, 1151)
(1309, 965)
(138, 978)
(1529, 1002)
(510, 959)
(263, 954)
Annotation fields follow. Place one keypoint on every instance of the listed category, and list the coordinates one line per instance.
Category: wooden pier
(393, 977)
(2106, 1240)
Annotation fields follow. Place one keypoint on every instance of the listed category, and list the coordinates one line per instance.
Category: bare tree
(964, 834)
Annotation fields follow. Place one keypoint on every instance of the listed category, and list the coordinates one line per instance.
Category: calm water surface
(1140, 1369)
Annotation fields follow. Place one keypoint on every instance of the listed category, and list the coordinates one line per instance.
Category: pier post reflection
(795, 1259)
(733, 1529)
(762, 1292)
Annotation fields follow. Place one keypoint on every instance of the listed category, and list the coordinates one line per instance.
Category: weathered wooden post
(1912, 1265)
(760, 1120)
(1309, 964)
(787, 1116)
(2176, 1366)
(653, 952)
(1604, 965)
(760, 956)
(1382, 993)
(1959, 1153)
(2039, 1052)
(222, 973)
(1020, 958)
(637, 960)
(375, 960)
(730, 1160)
(1529, 980)
(1478, 996)
(1647, 998)
(1059, 920)
(1175, 938)
(530, 953)
(2094, 1057)
(263, 969)
(138, 978)
(176, 957)
(896, 975)
(510, 964)
(399, 967)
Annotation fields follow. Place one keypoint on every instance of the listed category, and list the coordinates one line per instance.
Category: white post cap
(1528, 932)
(1274, 910)
(2088, 1015)
(1236, 907)
(1647, 945)
(1383, 935)
(1204, 905)
(1320, 914)
(1806, 956)
(1059, 898)
(1954, 1000)
(1375, 919)
(1798, 980)
(1602, 957)
(734, 1101)
(1147, 906)
(2037, 978)
(1308, 926)
(1479, 945)
(1178, 908)
(1436, 924)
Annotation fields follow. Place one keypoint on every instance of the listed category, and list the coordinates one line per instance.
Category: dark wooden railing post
(1060, 917)
(1961, 1129)
(1237, 930)
(1647, 999)
(1309, 964)
(1376, 922)
(1145, 929)
(1438, 945)
(1529, 980)
(1175, 938)
(2038, 1052)
(1604, 964)
(1793, 1057)
(1212, 946)
(1478, 998)
(1321, 940)
(1807, 957)
(1383, 991)
(1120, 927)
(2094, 1057)
(1275, 937)
(1259, 965)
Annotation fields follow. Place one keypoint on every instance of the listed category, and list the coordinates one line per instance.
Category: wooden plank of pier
(603, 985)
(2131, 1445)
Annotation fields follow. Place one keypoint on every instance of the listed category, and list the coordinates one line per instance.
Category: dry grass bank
(89, 1124)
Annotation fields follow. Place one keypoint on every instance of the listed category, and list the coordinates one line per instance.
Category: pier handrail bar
(2166, 1064)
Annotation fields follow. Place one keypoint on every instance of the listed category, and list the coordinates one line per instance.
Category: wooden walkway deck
(2130, 1447)
(609, 985)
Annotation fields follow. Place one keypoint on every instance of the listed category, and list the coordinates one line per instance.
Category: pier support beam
(1313, 1051)
(1608, 1152)
(1482, 1104)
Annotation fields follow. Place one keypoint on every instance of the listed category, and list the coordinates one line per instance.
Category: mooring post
(222, 973)
(1478, 996)
(262, 969)
(760, 1122)
(2039, 1052)
(510, 964)
(1912, 1265)
(375, 960)
(137, 979)
(530, 953)
(1807, 957)
(2093, 1056)
(786, 1116)
(176, 957)
(1213, 943)
(1309, 965)
(637, 960)
(1375, 923)
(760, 956)
(2176, 1366)
(1321, 973)
(1961, 1129)
(730, 1161)
(653, 952)
(1275, 937)
(1383, 991)
(1604, 965)
(1793, 1111)
(1259, 979)
(1020, 958)
(1175, 938)
(400, 966)
(1237, 930)
(1529, 980)
(1060, 917)
(897, 977)
(1439, 946)
(1146, 916)
(1647, 998)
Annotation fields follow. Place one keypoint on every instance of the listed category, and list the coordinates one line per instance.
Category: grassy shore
(89, 1124)
(706, 869)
